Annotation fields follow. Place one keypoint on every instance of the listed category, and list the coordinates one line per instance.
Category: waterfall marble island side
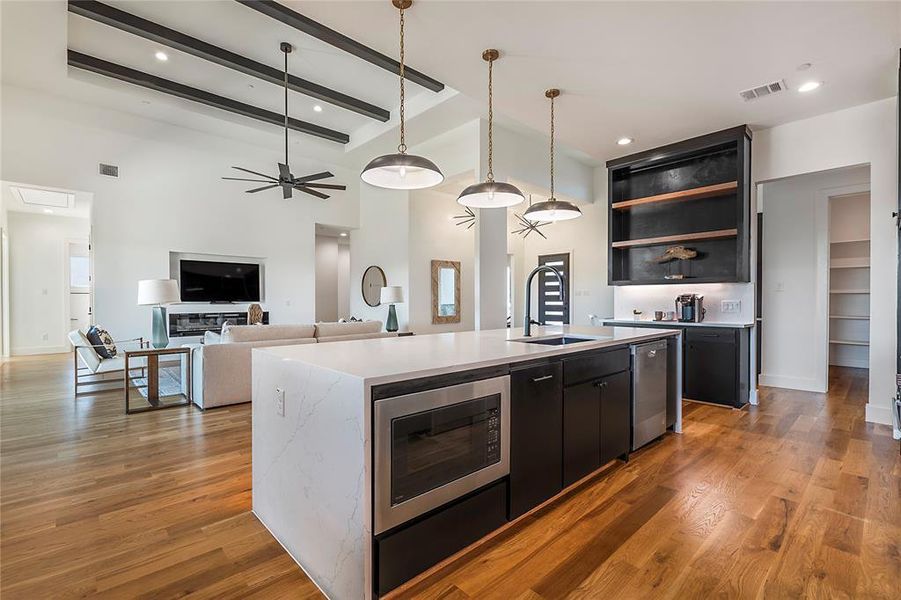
(314, 459)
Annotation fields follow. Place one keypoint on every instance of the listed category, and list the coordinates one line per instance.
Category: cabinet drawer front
(710, 334)
(591, 367)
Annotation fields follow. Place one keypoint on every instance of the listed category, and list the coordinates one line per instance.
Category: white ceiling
(657, 72)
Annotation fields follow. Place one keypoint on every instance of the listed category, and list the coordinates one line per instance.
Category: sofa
(221, 365)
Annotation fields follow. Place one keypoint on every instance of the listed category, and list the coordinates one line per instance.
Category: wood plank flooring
(796, 498)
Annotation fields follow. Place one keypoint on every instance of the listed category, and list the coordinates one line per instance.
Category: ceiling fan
(285, 179)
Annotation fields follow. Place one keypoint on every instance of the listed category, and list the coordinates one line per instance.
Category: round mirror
(373, 282)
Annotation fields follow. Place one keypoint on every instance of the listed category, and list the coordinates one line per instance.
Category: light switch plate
(280, 401)
(730, 306)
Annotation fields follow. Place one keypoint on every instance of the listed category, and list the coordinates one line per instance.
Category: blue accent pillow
(102, 342)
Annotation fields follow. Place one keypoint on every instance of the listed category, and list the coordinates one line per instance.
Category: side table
(149, 391)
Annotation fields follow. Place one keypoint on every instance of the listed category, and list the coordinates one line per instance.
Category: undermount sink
(559, 340)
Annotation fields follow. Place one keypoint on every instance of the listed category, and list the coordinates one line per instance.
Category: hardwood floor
(799, 497)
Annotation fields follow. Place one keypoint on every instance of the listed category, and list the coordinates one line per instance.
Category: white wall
(795, 352)
(860, 135)
(38, 292)
(435, 236)
(170, 197)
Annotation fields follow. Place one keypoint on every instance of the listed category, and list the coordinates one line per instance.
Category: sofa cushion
(102, 341)
(358, 336)
(261, 333)
(353, 328)
(211, 337)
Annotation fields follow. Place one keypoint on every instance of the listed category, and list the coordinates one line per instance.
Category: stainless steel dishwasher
(648, 392)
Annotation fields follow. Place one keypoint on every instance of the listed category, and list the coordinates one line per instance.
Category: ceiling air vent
(763, 90)
(109, 170)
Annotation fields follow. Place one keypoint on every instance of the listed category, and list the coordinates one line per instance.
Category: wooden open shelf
(684, 237)
(706, 191)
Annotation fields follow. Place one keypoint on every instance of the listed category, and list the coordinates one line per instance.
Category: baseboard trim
(853, 363)
(32, 350)
(879, 414)
(804, 384)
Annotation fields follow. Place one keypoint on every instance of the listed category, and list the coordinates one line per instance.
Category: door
(616, 401)
(581, 433)
(710, 367)
(535, 435)
(552, 309)
(78, 284)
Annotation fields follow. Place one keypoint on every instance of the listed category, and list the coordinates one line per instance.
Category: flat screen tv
(209, 281)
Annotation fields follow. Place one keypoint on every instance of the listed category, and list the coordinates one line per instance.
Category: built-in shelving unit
(694, 193)
(849, 280)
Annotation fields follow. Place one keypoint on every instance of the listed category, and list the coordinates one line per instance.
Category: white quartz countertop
(384, 360)
(630, 322)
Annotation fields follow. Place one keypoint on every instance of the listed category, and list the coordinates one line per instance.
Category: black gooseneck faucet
(527, 319)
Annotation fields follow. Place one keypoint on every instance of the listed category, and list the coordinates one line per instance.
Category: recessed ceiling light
(343, 234)
(317, 108)
(804, 66)
(161, 56)
(48, 211)
(809, 86)
(624, 141)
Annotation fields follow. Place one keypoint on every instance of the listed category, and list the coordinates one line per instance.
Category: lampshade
(552, 210)
(158, 291)
(402, 171)
(392, 294)
(490, 194)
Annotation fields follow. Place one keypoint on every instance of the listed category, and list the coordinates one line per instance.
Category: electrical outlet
(280, 401)
(730, 306)
(780, 286)
(45, 337)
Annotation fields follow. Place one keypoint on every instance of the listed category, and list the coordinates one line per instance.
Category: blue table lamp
(391, 295)
(157, 292)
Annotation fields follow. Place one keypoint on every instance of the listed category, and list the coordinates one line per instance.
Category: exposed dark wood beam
(109, 15)
(282, 13)
(98, 65)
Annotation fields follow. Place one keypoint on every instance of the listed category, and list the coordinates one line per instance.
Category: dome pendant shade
(402, 171)
(490, 194)
(552, 210)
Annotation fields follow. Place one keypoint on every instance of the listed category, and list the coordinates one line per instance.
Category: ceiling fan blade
(242, 179)
(260, 189)
(326, 186)
(286, 192)
(307, 190)
(254, 173)
(313, 177)
(284, 172)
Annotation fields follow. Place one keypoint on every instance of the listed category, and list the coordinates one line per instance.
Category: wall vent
(763, 90)
(109, 170)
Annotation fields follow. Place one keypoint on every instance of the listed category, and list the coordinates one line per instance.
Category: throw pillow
(102, 341)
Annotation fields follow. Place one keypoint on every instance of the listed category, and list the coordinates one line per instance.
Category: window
(552, 310)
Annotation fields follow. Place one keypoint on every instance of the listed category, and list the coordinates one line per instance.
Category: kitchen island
(331, 420)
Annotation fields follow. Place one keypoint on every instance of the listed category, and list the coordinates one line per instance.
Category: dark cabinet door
(536, 436)
(711, 367)
(615, 423)
(581, 431)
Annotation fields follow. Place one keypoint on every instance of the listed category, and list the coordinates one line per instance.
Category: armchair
(98, 374)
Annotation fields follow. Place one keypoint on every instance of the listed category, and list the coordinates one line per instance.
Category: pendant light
(402, 171)
(552, 209)
(490, 193)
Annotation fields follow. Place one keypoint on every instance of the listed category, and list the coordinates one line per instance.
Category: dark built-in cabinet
(536, 423)
(716, 365)
(695, 193)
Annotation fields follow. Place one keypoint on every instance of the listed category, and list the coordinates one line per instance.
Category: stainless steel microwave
(434, 446)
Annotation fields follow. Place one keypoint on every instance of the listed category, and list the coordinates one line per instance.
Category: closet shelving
(849, 281)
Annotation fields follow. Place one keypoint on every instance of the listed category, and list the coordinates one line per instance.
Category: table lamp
(158, 292)
(391, 295)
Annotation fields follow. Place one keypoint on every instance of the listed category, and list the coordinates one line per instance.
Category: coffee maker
(690, 308)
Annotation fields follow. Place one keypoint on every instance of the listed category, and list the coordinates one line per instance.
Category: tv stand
(196, 324)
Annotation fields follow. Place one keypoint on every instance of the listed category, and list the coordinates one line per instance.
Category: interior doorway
(332, 273)
(78, 284)
(849, 280)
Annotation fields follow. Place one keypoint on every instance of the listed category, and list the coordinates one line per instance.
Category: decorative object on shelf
(371, 287)
(391, 295)
(552, 209)
(468, 219)
(445, 291)
(402, 171)
(528, 227)
(285, 179)
(676, 253)
(158, 292)
(254, 314)
(490, 193)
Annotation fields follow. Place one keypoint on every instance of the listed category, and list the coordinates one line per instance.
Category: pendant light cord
(490, 120)
(402, 147)
(286, 108)
(552, 149)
